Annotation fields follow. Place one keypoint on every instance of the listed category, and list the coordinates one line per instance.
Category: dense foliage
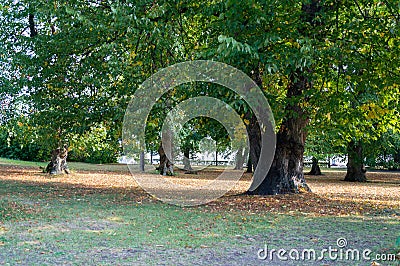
(74, 65)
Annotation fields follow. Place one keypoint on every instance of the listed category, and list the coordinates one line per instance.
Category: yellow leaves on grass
(330, 195)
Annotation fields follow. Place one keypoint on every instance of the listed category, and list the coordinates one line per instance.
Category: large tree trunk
(166, 167)
(58, 164)
(315, 170)
(355, 165)
(286, 172)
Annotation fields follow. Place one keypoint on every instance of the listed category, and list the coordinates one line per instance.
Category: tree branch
(32, 26)
(396, 17)
(359, 9)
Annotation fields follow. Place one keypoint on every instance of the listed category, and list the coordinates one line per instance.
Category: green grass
(48, 224)
(39, 221)
(11, 162)
(72, 165)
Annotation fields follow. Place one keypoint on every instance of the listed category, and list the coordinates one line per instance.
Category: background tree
(75, 64)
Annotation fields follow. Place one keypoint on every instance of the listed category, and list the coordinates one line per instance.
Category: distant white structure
(339, 161)
(207, 158)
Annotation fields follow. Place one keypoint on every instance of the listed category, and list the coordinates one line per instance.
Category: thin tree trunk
(249, 166)
(186, 160)
(355, 165)
(254, 133)
(253, 128)
(315, 169)
(32, 26)
(142, 163)
(58, 164)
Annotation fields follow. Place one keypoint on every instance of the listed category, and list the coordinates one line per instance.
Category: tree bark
(240, 158)
(254, 133)
(286, 172)
(166, 167)
(186, 160)
(249, 166)
(142, 162)
(396, 156)
(253, 128)
(32, 26)
(58, 164)
(355, 165)
(315, 169)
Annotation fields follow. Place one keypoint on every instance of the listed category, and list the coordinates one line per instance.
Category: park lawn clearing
(101, 217)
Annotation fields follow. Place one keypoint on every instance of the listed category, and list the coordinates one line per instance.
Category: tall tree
(317, 49)
(312, 58)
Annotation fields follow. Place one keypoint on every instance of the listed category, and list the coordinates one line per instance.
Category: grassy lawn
(92, 218)
(72, 165)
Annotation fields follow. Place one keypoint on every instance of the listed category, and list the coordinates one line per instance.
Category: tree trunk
(253, 128)
(249, 166)
(166, 167)
(355, 165)
(142, 163)
(240, 158)
(186, 160)
(396, 156)
(58, 164)
(32, 26)
(315, 170)
(254, 133)
(286, 172)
